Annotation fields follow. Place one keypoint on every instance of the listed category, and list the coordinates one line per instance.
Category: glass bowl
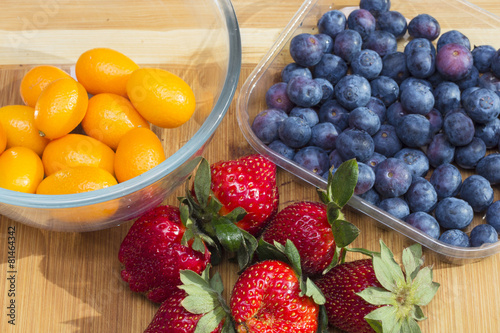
(479, 25)
(199, 40)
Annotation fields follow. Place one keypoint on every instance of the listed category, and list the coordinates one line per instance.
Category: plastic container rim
(356, 202)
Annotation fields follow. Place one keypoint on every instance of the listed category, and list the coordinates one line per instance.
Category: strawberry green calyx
(204, 296)
(403, 293)
(338, 192)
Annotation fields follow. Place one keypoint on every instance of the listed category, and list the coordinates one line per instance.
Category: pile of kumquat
(113, 101)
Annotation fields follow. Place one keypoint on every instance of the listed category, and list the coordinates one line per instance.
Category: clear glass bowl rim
(189, 149)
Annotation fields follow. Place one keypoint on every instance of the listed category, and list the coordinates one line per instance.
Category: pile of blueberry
(349, 93)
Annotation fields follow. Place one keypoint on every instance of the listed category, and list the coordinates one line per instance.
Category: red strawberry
(345, 309)
(172, 317)
(153, 255)
(249, 183)
(266, 298)
(367, 294)
(306, 225)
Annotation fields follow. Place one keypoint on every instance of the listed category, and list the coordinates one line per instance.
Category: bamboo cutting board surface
(70, 282)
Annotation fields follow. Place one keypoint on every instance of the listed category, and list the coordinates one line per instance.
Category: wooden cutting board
(70, 282)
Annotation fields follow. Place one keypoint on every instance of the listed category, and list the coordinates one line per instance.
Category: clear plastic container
(480, 26)
(199, 40)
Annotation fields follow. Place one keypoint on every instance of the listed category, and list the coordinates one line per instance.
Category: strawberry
(374, 295)
(249, 183)
(172, 317)
(306, 225)
(316, 229)
(154, 252)
(196, 305)
(267, 298)
(347, 310)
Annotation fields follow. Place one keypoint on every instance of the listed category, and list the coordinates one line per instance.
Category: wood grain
(70, 282)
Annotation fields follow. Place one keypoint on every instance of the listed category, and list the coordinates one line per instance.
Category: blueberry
(266, 124)
(371, 196)
(395, 113)
(386, 141)
(454, 61)
(412, 82)
(306, 50)
(332, 23)
(324, 135)
(440, 150)
(446, 97)
(495, 64)
(459, 128)
(446, 180)
(397, 207)
(277, 98)
(374, 160)
(419, 44)
(453, 36)
(477, 191)
(414, 130)
(392, 178)
(417, 161)
(493, 215)
(436, 121)
(483, 234)
(424, 26)
(308, 114)
(326, 41)
(304, 92)
(455, 237)
(362, 21)
(489, 132)
(354, 143)
(489, 168)
(482, 56)
(382, 42)
(469, 155)
(282, 149)
(353, 91)
(376, 105)
(366, 179)
(435, 79)
(385, 88)
(490, 81)
(425, 223)
(453, 213)
(419, 100)
(347, 44)
(470, 80)
(394, 66)
(367, 63)
(335, 159)
(468, 91)
(376, 7)
(331, 68)
(292, 69)
(482, 105)
(393, 22)
(295, 132)
(313, 159)
(421, 63)
(333, 112)
(421, 196)
(364, 119)
(326, 88)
